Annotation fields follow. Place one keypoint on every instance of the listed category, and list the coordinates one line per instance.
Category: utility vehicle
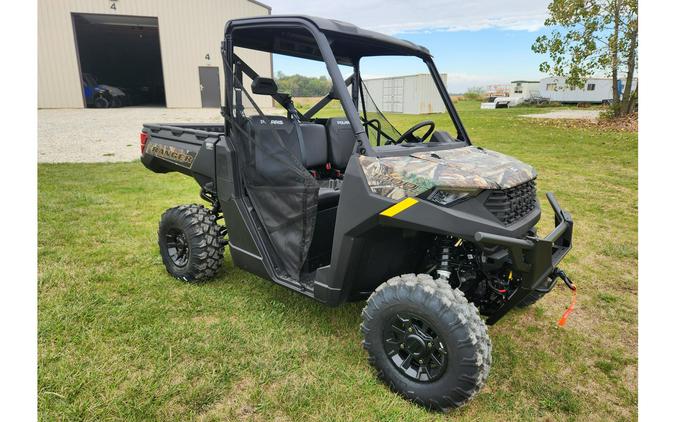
(432, 230)
(102, 96)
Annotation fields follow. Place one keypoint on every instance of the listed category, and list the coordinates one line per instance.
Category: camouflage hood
(462, 169)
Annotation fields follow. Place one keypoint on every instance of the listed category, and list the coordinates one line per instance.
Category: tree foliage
(474, 93)
(303, 86)
(592, 36)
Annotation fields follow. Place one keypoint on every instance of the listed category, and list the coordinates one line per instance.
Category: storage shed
(411, 94)
(158, 52)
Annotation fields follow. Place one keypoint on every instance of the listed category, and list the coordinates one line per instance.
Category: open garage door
(120, 60)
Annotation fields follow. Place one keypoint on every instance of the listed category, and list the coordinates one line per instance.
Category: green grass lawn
(120, 339)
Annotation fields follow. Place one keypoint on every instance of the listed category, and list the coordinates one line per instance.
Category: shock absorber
(443, 270)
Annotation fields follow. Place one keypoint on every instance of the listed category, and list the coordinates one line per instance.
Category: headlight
(447, 197)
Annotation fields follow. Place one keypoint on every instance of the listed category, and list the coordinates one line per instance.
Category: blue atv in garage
(102, 96)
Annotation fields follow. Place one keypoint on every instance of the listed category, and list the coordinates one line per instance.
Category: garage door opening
(120, 60)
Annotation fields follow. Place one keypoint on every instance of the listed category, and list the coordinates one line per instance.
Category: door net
(284, 195)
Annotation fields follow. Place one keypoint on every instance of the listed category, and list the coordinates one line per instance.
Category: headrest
(264, 86)
(272, 122)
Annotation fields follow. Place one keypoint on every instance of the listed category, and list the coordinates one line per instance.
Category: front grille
(510, 205)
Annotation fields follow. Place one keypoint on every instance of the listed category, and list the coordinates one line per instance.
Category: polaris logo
(343, 122)
(272, 122)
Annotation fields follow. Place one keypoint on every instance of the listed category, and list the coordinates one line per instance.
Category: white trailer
(517, 91)
(524, 89)
(411, 94)
(595, 90)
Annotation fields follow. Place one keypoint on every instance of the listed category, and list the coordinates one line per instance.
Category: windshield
(399, 92)
(396, 93)
(399, 99)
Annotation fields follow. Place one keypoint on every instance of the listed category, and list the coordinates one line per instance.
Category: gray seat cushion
(316, 145)
(341, 142)
(314, 138)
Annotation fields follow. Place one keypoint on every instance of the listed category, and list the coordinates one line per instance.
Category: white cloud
(399, 16)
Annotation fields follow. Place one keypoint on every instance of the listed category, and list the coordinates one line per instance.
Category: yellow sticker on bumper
(401, 206)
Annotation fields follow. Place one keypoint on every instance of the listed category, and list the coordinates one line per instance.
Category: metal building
(159, 52)
(411, 94)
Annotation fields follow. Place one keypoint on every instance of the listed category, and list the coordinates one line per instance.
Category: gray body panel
(362, 238)
(359, 218)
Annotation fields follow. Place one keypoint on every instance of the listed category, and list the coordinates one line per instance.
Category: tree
(591, 36)
(303, 86)
(474, 93)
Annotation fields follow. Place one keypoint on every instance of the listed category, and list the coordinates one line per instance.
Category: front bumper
(533, 258)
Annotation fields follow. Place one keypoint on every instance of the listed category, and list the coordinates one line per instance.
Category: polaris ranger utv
(432, 230)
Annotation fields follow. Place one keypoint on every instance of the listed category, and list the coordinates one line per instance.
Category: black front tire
(190, 243)
(454, 323)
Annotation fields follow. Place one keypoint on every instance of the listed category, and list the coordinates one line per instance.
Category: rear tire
(190, 243)
(445, 338)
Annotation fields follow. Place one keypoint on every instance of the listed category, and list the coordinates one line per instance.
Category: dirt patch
(567, 114)
(235, 404)
(623, 124)
(206, 320)
(620, 124)
(107, 135)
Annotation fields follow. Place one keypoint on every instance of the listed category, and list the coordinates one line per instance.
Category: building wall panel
(412, 94)
(190, 34)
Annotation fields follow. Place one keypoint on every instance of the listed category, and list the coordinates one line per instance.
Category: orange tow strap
(563, 318)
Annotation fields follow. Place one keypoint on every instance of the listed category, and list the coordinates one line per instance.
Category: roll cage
(332, 42)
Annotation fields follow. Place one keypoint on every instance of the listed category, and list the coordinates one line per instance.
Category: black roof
(284, 34)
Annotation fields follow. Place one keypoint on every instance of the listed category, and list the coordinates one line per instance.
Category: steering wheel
(408, 135)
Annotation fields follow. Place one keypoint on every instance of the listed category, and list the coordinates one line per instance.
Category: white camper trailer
(516, 93)
(595, 90)
(411, 94)
(524, 89)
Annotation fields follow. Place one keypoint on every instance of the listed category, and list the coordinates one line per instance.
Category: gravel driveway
(98, 135)
(567, 114)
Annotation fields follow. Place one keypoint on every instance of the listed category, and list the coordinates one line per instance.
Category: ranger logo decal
(176, 155)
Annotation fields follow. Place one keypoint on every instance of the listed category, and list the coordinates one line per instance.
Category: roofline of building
(269, 8)
(403, 76)
(525, 82)
(588, 79)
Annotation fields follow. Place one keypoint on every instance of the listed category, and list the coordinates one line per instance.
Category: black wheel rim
(177, 247)
(414, 347)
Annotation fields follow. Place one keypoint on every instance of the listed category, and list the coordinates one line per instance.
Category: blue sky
(476, 42)
(470, 58)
